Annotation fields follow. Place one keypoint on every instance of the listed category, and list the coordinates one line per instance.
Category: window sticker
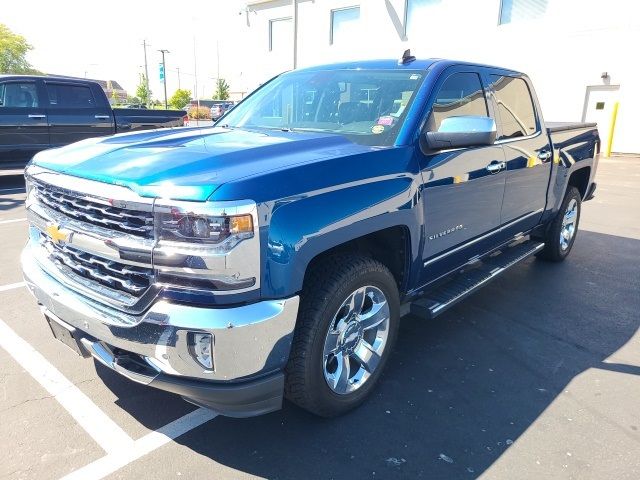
(377, 129)
(386, 120)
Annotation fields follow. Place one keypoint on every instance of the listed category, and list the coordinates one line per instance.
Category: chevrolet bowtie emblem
(56, 234)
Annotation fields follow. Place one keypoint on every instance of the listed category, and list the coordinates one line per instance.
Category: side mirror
(462, 131)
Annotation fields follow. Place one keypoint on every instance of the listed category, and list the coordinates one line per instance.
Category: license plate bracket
(66, 334)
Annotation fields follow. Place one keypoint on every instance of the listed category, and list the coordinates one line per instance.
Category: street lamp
(164, 77)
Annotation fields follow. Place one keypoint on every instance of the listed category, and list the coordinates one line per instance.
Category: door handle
(495, 167)
(102, 117)
(544, 155)
(38, 116)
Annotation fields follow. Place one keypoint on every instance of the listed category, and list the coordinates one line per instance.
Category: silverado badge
(446, 232)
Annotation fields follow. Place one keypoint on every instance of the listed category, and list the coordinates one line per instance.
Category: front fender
(305, 226)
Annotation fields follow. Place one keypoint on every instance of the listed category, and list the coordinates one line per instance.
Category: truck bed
(563, 126)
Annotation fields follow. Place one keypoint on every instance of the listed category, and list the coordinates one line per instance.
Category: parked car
(217, 111)
(40, 112)
(273, 256)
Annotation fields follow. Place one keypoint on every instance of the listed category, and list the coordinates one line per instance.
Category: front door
(598, 108)
(23, 122)
(461, 196)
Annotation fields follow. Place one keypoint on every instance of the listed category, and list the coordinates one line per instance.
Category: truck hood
(190, 163)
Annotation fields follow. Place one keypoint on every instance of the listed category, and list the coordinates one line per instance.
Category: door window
(70, 96)
(460, 94)
(18, 95)
(517, 114)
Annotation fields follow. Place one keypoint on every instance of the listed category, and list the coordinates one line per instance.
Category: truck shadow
(457, 392)
(11, 186)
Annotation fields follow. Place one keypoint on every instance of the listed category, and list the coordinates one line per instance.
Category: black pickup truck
(40, 112)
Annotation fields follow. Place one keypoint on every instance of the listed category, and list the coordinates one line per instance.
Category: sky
(103, 40)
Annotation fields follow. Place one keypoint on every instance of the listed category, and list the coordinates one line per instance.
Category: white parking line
(150, 442)
(11, 286)
(95, 422)
(19, 190)
(2, 222)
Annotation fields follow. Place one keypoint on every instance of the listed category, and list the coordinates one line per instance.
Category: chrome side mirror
(462, 131)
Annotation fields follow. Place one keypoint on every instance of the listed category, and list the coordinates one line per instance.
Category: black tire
(553, 250)
(327, 286)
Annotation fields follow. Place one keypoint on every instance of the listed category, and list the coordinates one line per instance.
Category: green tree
(222, 90)
(180, 99)
(142, 91)
(13, 53)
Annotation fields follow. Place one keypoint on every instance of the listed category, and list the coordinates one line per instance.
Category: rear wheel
(562, 230)
(347, 325)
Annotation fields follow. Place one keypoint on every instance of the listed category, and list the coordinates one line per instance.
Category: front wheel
(562, 230)
(346, 328)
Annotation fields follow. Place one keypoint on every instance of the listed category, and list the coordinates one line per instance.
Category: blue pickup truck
(272, 255)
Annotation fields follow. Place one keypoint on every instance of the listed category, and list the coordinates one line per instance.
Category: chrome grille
(114, 275)
(85, 209)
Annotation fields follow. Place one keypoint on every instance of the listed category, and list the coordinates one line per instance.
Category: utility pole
(164, 77)
(146, 69)
(218, 58)
(295, 34)
(178, 69)
(195, 75)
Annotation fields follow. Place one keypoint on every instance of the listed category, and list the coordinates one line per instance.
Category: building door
(598, 107)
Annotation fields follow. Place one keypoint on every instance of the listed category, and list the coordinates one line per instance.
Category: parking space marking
(94, 421)
(18, 190)
(116, 460)
(15, 220)
(11, 286)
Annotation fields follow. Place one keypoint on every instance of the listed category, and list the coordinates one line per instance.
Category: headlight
(226, 231)
(210, 246)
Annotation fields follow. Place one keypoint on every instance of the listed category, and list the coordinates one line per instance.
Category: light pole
(146, 70)
(164, 77)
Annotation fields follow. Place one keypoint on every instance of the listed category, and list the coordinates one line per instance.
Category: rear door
(76, 112)
(461, 197)
(526, 149)
(23, 121)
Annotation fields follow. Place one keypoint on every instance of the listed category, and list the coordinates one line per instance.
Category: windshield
(367, 106)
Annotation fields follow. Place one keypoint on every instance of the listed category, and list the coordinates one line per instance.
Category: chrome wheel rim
(356, 339)
(569, 220)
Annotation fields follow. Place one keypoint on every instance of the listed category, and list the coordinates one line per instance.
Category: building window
(517, 10)
(343, 23)
(415, 15)
(280, 34)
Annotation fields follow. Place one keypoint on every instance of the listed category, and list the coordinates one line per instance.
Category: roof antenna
(406, 57)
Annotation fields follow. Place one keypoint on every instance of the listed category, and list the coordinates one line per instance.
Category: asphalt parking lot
(536, 376)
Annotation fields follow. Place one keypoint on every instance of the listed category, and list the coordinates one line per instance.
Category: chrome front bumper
(248, 341)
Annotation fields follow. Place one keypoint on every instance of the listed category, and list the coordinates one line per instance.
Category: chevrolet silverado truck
(41, 112)
(273, 254)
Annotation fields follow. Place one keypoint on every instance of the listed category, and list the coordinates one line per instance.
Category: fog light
(200, 345)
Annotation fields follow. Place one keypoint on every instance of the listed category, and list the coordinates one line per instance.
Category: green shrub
(199, 113)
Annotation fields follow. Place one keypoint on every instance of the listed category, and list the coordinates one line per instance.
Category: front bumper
(251, 344)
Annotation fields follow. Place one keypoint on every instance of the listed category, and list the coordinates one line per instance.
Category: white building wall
(563, 51)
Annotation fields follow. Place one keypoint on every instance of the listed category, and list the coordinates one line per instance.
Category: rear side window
(460, 94)
(517, 115)
(18, 95)
(70, 96)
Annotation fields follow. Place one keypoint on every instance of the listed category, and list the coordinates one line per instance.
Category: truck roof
(392, 64)
(48, 77)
